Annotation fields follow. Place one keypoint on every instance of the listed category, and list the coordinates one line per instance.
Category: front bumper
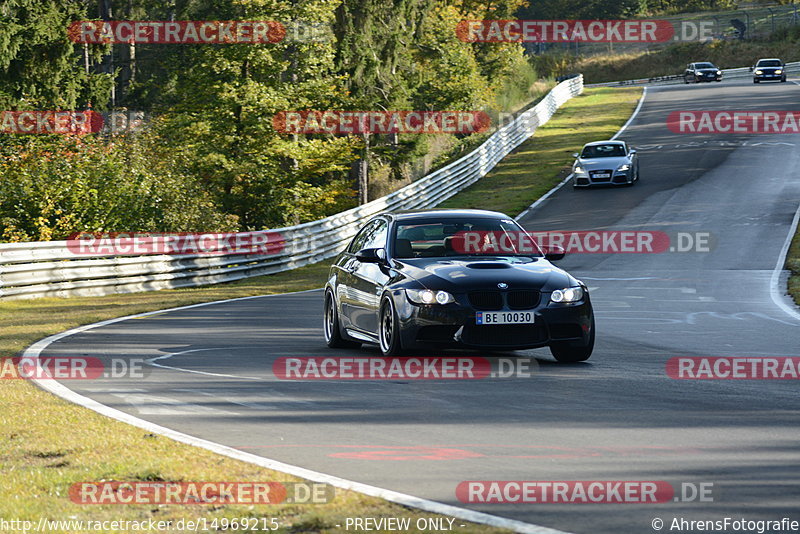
(766, 77)
(454, 325)
(712, 78)
(614, 178)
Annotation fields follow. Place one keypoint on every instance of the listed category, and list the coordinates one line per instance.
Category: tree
(40, 68)
(219, 115)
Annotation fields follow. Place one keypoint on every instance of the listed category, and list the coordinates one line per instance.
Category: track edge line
(780, 298)
(63, 392)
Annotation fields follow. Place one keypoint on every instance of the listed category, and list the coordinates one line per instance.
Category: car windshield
(611, 150)
(704, 66)
(463, 237)
(769, 63)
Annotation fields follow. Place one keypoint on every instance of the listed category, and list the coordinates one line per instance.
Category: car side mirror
(371, 255)
(632, 151)
(751, 69)
(575, 155)
(554, 253)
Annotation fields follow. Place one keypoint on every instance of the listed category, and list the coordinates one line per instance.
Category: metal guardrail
(51, 269)
(740, 72)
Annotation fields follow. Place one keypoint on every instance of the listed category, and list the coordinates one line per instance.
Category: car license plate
(601, 175)
(516, 317)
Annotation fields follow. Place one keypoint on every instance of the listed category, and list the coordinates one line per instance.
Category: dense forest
(209, 157)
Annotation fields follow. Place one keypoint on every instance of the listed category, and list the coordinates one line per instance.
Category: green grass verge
(47, 444)
(546, 158)
(793, 264)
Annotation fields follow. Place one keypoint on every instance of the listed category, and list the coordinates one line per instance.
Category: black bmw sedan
(454, 278)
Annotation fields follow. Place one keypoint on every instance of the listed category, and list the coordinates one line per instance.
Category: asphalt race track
(616, 417)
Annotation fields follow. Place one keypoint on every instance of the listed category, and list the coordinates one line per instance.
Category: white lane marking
(691, 318)
(714, 143)
(633, 116)
(768, 143)
(615, 279)
(149, 404)
(60, 390)
(655, 320)
(547, 195)
(152, 361)
(775, 293)
(272, 402)
(256, 405)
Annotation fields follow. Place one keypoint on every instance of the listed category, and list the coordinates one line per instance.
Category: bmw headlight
(623, 168)
(568, 294)
(778, 71)
(579, 170)
(759, 72)
(719, 72)
(427, 296)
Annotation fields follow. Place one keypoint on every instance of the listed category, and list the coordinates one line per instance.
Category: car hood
(603, 163)
(462, 274)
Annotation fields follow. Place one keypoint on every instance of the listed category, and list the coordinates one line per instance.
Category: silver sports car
(607, 163)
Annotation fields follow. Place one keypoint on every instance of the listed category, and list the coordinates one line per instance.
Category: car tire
(331, 327)
(755, 81)
(783, 80)
(565, 352)
(389, 329)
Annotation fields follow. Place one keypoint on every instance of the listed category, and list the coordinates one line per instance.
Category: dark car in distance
(702, 72)
(454, 279)
(769, 70)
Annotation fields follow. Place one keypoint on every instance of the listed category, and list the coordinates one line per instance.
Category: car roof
(610, 141)
(768, 59)
(443, 213)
